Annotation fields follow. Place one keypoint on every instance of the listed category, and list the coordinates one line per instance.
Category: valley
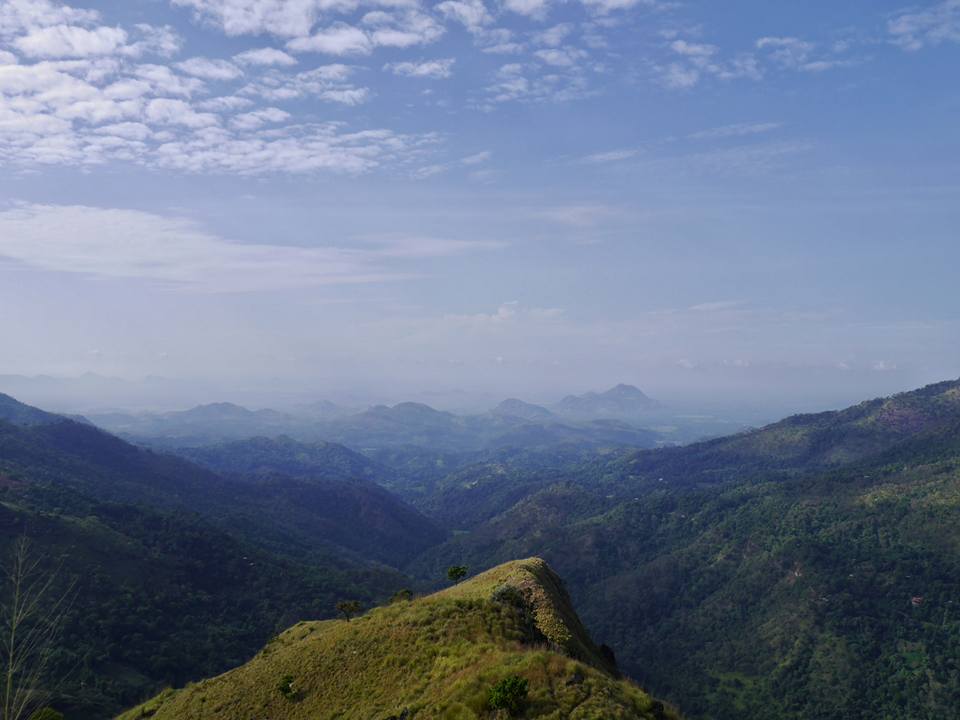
(783, 570)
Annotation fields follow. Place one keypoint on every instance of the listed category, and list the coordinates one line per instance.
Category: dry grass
(433, 657)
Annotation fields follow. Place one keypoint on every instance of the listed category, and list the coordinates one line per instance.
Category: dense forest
(807, 569)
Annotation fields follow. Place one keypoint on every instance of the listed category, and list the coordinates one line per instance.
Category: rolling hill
(296, 516)
(432, 657)
(178, 572)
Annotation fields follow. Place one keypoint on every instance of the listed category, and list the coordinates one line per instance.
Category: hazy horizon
(92, 393)
(481, 200)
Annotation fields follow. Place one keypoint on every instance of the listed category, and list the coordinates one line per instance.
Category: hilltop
(432, 657)
(622, 401)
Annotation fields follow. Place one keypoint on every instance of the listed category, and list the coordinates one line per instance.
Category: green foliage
(402, 595)
(161, 598)
(810, 569)
(349, 608)
(285, 687)
(509, 694)
(47, 713)
(456, 573)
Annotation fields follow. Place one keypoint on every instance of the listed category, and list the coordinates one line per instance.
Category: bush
(401, 595)
(509, 595)
(286, 687)
(509, 694)
(47, 713)
(456, 573)
(349, 608)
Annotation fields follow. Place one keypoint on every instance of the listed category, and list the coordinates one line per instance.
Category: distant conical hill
(438, 656)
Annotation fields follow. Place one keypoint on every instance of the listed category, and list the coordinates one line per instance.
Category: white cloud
(210, 69)
(693, 50)
(561, 57)
(472, 14)
(517, 82)
(119, 243)
(788, 51)
(429, 171)
(553, 36)
(610, 156)
(7, 58)
(404, 28)
(537, 9)
(477, 158)
(68, 41)
(603, 7)
(934, 25)
(17, 16)
(265, 56)
(167, 111)
(698, 60)
(151, 40)
(225, 103)
(436, 69)
(756, 159)
(737, 130)
(327, 82)
(258, 118)
(289, 18)
(679, 77)
(131, 244)
(161, 80)
(338, 39)
(296, 149)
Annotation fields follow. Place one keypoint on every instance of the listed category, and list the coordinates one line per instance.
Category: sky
(746, 201)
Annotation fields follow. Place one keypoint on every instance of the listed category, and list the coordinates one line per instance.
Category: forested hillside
(808, 569)
(166, 568)
(805, 570)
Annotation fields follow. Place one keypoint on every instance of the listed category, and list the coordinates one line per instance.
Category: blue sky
(524, 197)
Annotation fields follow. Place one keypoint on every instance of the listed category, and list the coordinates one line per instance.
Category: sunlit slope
(433, 657)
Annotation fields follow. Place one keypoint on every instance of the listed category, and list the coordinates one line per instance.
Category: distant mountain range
(513, 423)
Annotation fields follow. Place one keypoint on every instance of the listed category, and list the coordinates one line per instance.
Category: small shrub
(286, 687)
(456, 573)
(509, 694)
(349, 608)
(509, 595)
(401, 595)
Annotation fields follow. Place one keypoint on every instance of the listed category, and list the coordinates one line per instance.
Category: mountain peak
(521, 409)
(513, 620)
(620, 401)
(622, 389)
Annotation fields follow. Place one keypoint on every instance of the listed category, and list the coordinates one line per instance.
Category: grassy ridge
(433, 657)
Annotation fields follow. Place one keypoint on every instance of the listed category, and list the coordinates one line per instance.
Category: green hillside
(805, 570)
(158, 598)
(432, 657)
(292, 516)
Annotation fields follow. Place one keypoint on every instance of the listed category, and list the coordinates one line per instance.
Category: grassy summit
(433, 657)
